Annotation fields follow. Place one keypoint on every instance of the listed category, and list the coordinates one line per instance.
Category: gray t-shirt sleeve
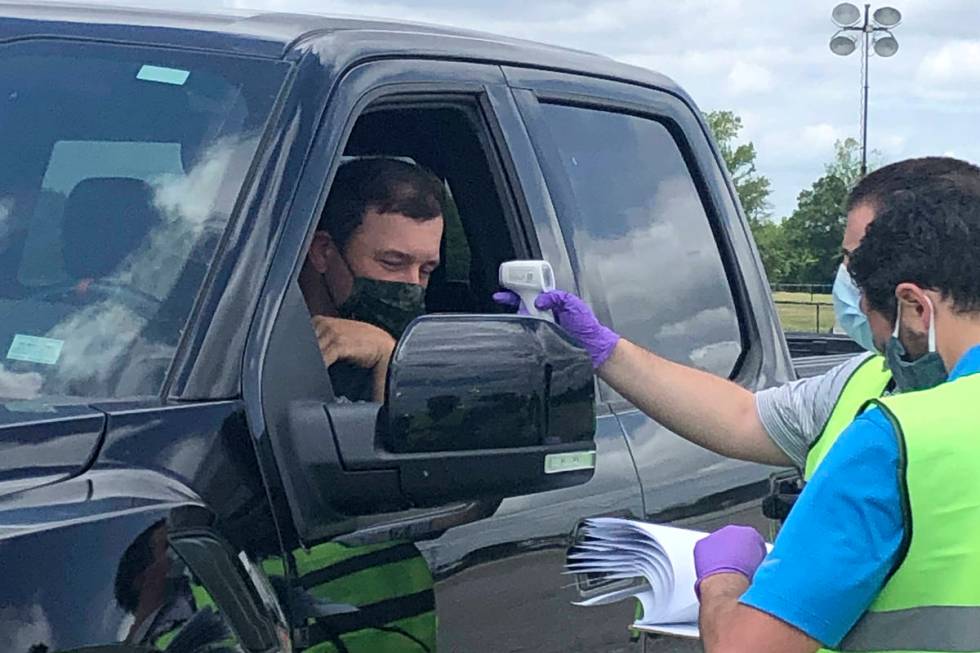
(795, 413)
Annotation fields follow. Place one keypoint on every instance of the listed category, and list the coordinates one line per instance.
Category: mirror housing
(477, 407)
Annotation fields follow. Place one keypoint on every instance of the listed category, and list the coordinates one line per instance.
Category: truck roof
(273, 34)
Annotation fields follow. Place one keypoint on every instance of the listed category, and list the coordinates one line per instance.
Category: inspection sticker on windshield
(174, 76)
(34, 349)
(570, 461)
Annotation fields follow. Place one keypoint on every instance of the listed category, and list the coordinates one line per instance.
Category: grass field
(796, 317)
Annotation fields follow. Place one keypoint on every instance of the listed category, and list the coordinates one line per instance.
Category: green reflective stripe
(372, 640)
(329, 553)
(933, 628)
(274, 566)
(354, 564)
(163, 641)
(869, 380)
(391, 584)
(201, 597)
(372, 584)
(377, 614)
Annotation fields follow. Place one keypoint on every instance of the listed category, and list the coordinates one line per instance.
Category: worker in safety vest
(882, 550)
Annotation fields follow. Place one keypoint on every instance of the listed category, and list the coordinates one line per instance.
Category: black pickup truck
(171, 452)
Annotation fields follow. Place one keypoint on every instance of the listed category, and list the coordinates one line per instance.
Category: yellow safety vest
(868, 381)
(931, 602)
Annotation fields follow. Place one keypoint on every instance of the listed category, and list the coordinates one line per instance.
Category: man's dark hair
(384, 185)
(927, 234)
(876, 187)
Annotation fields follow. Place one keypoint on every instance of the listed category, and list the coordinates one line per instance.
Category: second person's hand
(575, 316)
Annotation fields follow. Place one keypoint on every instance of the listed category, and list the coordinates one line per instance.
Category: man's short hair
(379, 184)
(875, 188)
(927, 234)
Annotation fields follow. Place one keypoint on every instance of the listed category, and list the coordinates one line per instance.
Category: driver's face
(386, 247)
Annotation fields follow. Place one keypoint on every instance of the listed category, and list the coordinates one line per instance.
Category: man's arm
(727, 626)
(775, 426)
(362, 344)
(708, 410)
(830, 561)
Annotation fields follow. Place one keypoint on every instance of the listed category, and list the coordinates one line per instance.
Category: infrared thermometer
(528, 279)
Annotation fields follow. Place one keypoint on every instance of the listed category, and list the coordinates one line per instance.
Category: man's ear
(916, 306)
(321, 249)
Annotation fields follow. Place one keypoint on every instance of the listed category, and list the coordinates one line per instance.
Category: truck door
(654, 239)
(495, 567)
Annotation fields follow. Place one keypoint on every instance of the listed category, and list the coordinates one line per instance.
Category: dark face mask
(923, 373)
(388, 305)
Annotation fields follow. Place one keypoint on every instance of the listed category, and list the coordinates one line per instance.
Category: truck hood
(42, 444)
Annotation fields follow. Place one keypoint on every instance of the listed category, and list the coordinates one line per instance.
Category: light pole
(876, 32)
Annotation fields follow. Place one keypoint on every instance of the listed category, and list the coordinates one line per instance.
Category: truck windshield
(119, 168)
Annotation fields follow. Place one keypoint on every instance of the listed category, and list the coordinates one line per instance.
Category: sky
(767, 60)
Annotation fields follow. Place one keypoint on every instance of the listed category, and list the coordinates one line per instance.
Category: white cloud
(821, 136)
(747, 77)
(6, 223)
(891, 144)
(952, 63)
(19, 385)
(24, 627)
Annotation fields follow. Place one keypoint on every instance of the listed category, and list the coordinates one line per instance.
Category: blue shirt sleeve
(841, 539)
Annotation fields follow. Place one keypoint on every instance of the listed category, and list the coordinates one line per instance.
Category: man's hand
(725, 563)
(362, 344)
(573, 315)
(699, 406)
(732, 549)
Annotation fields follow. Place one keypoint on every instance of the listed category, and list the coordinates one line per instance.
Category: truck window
(647, 257)
(451, 172)
(72, 162)
(119, 171)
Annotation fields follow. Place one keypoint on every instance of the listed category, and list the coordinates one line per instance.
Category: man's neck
(315, 293)
(963, 335)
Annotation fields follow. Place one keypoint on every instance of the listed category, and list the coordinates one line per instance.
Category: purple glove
(738, 549)
(573, 315)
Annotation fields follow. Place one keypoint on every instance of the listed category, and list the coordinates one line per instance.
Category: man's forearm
(710, 411)
(719, 608)
(728, 626)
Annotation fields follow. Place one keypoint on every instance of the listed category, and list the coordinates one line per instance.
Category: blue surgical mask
(923, 373)
(847, 310)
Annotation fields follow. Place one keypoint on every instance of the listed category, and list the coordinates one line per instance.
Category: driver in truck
(367, 269)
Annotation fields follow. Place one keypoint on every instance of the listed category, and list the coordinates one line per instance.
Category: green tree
(847, 161)
(753, 188)
(775, 251)
(753, 191)
(814, 231)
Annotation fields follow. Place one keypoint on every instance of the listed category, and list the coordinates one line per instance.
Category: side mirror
(482, 406)
(477, 407)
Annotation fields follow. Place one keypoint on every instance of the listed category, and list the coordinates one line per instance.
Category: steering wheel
(143, 304)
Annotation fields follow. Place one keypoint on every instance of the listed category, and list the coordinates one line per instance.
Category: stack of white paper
(660, 555)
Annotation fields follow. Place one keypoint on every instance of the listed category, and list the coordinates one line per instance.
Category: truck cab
(177, 472)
